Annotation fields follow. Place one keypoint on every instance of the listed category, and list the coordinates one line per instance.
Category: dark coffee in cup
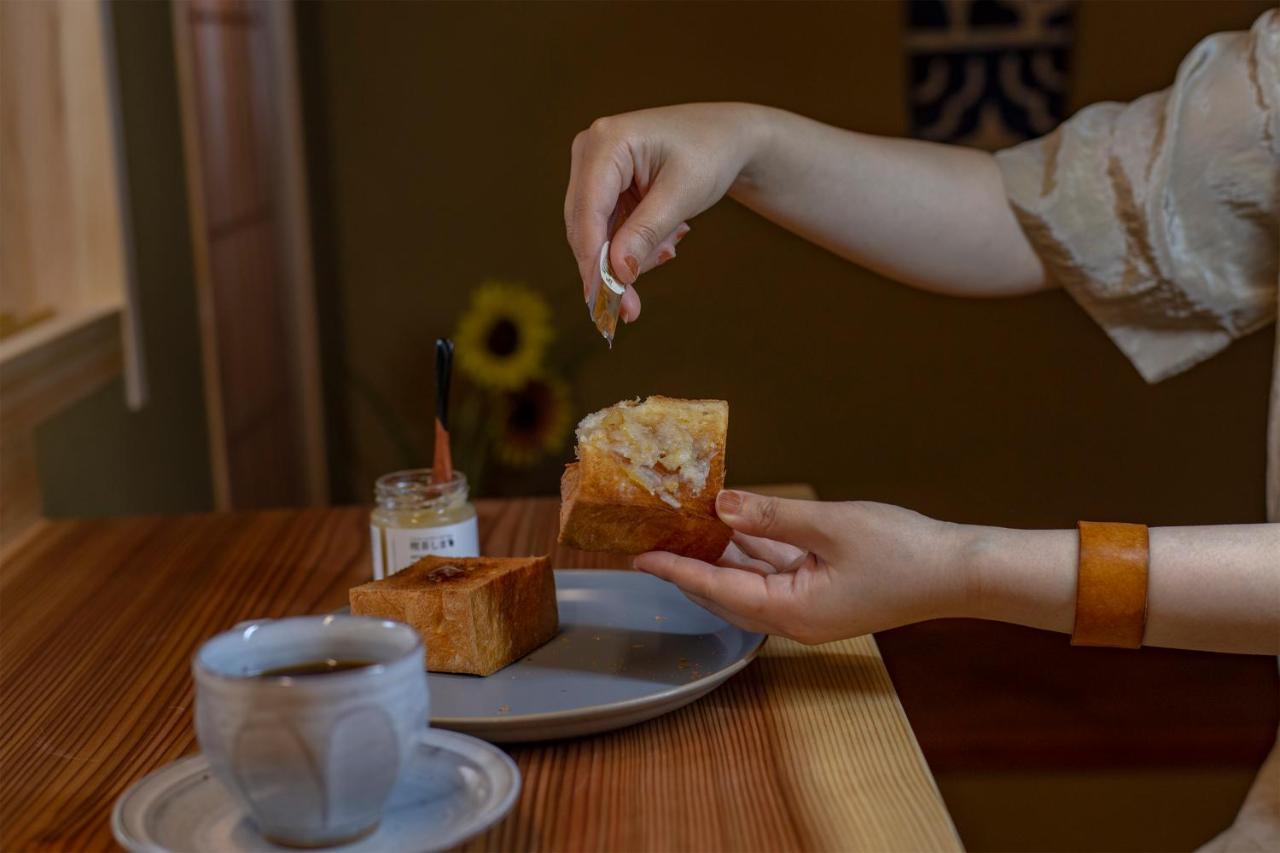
(315, 667)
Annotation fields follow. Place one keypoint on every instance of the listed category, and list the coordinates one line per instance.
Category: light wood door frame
(296, 250)
(210, 368)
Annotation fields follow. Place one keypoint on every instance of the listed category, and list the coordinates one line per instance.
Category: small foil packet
(608, 301)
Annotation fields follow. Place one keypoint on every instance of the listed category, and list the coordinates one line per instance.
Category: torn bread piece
(646, 479)
(475, 614)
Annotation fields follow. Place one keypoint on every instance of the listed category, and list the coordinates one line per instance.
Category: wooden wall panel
(259, 343)
(250, 330)
(233, 107)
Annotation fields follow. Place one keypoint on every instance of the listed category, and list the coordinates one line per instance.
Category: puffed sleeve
(1160, 216)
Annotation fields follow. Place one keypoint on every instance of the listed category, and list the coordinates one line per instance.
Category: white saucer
(455, 787)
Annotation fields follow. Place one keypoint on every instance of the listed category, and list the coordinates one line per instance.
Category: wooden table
(807, 748)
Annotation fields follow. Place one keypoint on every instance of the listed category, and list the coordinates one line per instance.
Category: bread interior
(666, 447)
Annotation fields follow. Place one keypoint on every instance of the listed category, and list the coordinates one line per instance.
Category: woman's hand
(651, 170)
(816, 571)
(869, 199)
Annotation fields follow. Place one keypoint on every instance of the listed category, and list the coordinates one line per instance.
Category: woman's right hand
(654, 169)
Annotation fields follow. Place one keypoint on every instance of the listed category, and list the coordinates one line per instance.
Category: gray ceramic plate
(453, 787)
(630, 648)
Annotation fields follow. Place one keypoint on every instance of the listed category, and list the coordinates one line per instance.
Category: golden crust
(603, 508)
(495, 611)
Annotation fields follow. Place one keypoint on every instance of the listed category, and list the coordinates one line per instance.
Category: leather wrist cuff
(1111, 585)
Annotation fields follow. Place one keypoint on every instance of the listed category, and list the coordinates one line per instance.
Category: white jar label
(396, 548)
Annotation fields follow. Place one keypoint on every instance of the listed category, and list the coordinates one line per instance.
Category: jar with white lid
(414, 517)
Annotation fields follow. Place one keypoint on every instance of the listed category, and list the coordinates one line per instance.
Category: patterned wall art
(987, 73)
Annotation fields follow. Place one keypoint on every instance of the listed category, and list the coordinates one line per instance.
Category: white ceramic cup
(313, 758)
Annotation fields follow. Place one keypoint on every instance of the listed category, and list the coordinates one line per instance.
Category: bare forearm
(1210, 588)
(1215, 588)
(933, 216)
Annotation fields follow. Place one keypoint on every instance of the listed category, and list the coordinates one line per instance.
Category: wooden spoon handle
(442, 463)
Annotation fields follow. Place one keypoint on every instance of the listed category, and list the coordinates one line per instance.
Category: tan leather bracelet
(1111, 585)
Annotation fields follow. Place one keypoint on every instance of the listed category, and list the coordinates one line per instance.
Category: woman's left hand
(818, 571)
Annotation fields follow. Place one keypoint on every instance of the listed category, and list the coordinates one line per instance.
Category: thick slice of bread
(475, 614)
(646, 479)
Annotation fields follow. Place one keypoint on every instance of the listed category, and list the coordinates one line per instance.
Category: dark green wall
(446, 131)
(97, 457)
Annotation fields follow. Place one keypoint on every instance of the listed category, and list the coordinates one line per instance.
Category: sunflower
(503, 335)
(531, 421)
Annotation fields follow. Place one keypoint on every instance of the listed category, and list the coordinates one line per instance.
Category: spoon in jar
(442, 463)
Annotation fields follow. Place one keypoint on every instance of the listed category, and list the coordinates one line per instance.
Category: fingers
(731, 618)
(803, 524)
(641, 237)
(735, 557)
(600, 172)
(781, 556)
(736, 591)
(666, 252)
(630, 309)
(615, 189)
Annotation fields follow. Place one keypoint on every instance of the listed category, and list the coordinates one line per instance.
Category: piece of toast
(475, 614)
(646, 479)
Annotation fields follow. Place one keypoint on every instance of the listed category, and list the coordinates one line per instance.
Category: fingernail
(682, 233)
(664, 256)
(633, 265)
(728, 503)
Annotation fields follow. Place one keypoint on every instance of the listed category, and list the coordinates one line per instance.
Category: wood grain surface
(808, 748)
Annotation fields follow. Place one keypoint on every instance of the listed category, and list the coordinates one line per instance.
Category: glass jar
(414, 517)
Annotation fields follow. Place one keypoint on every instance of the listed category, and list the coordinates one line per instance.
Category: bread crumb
(502, 709)
(659, 619)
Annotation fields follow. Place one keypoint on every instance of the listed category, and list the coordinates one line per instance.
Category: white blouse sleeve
(1160, 216)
